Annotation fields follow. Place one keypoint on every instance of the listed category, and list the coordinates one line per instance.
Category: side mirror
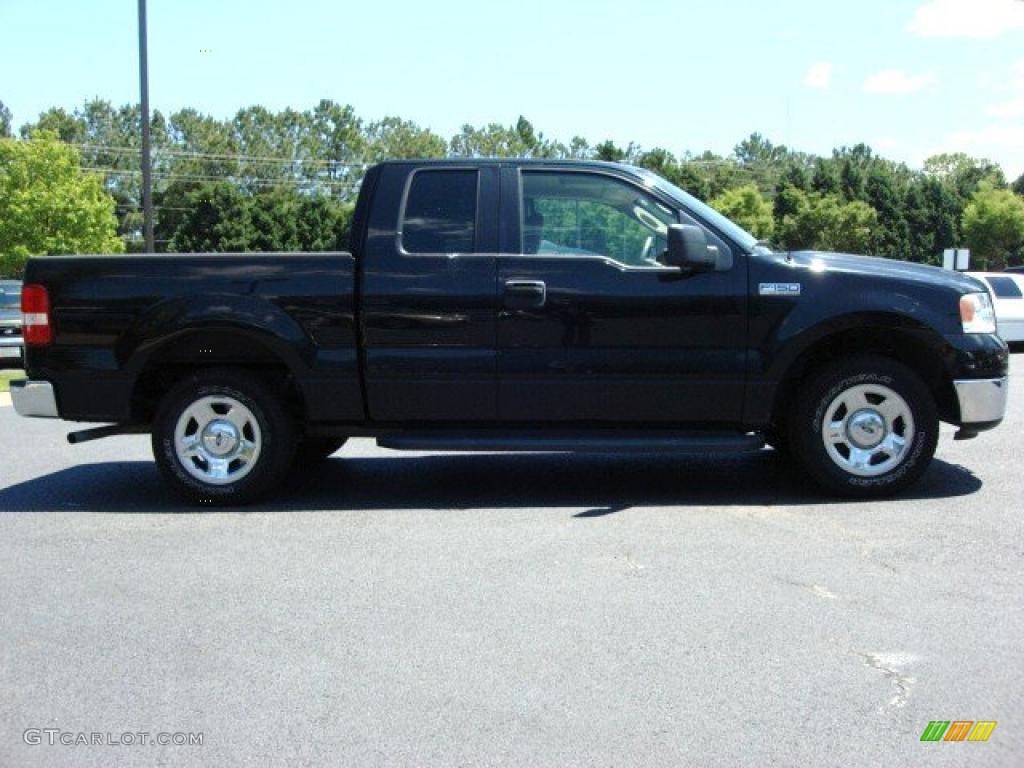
(688, 249)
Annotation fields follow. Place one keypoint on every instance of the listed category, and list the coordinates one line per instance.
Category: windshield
(702, 211)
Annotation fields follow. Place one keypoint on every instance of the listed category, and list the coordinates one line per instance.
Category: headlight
(977, 314)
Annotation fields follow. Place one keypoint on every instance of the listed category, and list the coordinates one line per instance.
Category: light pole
(147, 171)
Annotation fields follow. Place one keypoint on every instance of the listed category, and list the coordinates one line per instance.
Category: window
(440, 212)
(580, 214)
(1005, 287)
(10, 296)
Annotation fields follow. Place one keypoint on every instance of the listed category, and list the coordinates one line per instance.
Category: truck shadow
(599, 485)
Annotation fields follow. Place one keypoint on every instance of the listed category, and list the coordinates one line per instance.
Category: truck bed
(116, 317)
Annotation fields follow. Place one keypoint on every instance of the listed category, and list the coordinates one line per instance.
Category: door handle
(521, 294)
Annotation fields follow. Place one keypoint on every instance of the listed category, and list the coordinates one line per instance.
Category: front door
(593, 327)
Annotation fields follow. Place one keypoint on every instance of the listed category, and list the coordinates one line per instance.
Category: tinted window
(10, 295)
(577, 214)
(1004, 287)
(440, 214)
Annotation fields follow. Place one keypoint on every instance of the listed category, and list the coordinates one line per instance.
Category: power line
(254, 159)
(237, 178)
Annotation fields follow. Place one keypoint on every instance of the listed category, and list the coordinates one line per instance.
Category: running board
(552, 441)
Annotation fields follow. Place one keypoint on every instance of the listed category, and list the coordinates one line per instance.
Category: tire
(882, 427)
(316, 449)
(222, 437)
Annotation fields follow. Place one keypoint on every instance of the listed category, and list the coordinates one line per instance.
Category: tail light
(35, 316)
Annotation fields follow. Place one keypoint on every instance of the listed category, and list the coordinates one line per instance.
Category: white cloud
(896, 81)
(975, 19)
(819, 75)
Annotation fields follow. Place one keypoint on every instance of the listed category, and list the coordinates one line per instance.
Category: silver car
(12, 348)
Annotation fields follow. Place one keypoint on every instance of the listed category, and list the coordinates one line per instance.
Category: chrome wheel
(217, 440)
(868, 430)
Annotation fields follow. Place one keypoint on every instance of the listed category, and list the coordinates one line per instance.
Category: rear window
(10, 296)
(1004, 287)
(440, 212)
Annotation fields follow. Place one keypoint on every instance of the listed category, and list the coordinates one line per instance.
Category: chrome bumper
(34, 398)
(982, 401)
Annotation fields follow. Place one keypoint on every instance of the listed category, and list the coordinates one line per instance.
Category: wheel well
(215, 348)
(902, 346)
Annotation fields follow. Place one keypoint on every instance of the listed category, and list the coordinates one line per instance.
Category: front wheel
(865, 427)
(223, 437)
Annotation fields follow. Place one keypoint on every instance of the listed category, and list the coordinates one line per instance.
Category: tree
(5, 122)
(220, 220)
(825, 222)
(993, 225)
(1018, 185)
(48, 205)
(747, 207)
(964, 173)
(395, 139)
(609, 152)
(892, 235)
(757, 150)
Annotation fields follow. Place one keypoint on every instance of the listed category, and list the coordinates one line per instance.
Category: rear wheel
(864, 427)
(223, 437)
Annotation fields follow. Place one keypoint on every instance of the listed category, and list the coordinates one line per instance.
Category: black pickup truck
(508, 306)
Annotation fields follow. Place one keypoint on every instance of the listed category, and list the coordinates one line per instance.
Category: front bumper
(34, 398)
(982, 402)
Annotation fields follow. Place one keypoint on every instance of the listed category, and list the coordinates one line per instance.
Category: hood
(887, 268)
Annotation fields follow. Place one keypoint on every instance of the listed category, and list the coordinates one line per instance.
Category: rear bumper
(11, 348)
(34, 398)
(982, 402)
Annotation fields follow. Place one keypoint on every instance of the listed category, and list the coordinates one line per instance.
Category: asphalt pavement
(526, 610)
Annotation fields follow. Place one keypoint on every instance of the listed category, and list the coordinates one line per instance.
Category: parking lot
(399, 609)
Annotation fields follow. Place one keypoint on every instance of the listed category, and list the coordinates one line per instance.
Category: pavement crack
(887, 664)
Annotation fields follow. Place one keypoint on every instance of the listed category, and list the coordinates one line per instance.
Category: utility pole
(147, 170)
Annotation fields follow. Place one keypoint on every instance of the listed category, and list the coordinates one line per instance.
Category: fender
(252, 316)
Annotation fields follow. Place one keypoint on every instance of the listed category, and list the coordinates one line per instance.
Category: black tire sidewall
(821, 391)
(276, 431)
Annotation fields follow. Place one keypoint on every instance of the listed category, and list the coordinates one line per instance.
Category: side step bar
(551, 441)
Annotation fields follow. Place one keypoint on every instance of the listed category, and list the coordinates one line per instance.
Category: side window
(584, 214)
(440, 212)
(1005, 287)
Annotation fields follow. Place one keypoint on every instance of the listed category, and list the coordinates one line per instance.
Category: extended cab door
(429, 297)
(593, 328)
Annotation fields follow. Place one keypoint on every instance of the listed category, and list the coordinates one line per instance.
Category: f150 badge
(779, 289)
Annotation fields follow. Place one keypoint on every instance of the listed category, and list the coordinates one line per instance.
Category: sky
(910, 78)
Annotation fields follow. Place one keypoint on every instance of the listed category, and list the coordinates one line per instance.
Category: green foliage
(826, 222)
(747, 207)
(993, 226)
(297, 174)
(965, 174)
(1018, 185)
(48, 205)
(395, 139)
(5, 121)
(222, 218)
